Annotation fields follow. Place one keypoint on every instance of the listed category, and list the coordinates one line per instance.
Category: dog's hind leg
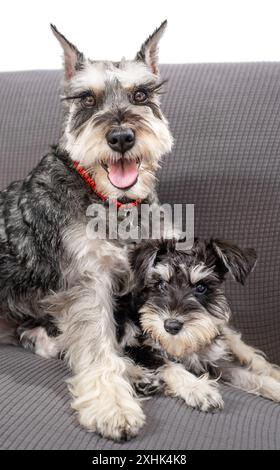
(103, 393)
(258, 384)
(38, 336)
(197, 392)
(248, 356)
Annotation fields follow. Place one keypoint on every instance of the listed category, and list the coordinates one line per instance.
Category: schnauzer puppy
(178, 325)
(113, 138)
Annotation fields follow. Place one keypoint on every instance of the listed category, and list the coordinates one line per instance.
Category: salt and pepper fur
(48, 264)
(50, 269)
(188, 364)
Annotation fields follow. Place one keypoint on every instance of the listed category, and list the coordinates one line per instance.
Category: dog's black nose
(172, 326)
(121, 139)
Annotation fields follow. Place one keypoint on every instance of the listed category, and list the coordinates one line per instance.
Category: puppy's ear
(238, 262)
(141, 258)
(145, 255)
(149, 49)
(73, 58)
(164, 247)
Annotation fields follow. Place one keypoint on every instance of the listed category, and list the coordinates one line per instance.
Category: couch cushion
(226, 120)
(36, 414)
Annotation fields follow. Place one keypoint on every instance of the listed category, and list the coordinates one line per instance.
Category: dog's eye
(89, 101)
(200, 288)
(140, 96)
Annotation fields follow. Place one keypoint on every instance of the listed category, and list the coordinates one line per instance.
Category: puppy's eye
(200, 288)
(140, 96)
(89, 100)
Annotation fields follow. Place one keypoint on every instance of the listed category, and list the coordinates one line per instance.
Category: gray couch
(226, 123)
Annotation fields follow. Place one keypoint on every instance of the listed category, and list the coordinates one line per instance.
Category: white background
(198, 30)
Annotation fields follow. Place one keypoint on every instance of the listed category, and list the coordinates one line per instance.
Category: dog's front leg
(197, 392)
(103, 395)
(248, 356)
(249, 381)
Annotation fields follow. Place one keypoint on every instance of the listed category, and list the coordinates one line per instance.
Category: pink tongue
(123, 173)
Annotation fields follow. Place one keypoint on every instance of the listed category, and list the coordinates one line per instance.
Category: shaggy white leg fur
(103, 394)
(249, 356)
(251, 382)
(198, 392)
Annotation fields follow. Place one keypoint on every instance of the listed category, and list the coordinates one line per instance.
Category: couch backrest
(226, 160)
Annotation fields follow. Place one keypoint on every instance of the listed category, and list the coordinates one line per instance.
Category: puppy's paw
(269, 388)
(204, 395)
(275, 372)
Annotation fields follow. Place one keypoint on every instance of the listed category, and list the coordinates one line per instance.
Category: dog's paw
(106, 405)
(275, 372)
(147, 384)
(117, 423)
(268, 388)
(45, 345)
(38, 341)
(147, 388)
(204, 395)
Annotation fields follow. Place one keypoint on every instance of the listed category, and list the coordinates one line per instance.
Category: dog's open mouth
(123, 173)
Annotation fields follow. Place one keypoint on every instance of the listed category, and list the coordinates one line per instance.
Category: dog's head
(114, 127)
(179, 294)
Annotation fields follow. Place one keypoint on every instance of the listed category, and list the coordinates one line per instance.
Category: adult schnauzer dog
(113, 138)
(177, 323)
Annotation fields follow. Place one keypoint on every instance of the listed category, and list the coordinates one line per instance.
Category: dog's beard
(197, 332)
(88, 146)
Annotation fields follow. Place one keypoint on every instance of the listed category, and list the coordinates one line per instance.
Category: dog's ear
(163, 248)
(146, 255)
(73, 58)
(141, 258)
(238, 262)
(149, 49)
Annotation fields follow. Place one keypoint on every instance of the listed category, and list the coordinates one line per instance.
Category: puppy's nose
(121, 139)
(172, 326)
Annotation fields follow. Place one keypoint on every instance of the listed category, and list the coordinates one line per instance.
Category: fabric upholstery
(225, 119)
(35, 414)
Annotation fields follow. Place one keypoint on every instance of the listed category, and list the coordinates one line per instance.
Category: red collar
(82, 172)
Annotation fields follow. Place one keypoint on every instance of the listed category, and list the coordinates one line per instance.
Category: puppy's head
(179, 294)
(115, 128)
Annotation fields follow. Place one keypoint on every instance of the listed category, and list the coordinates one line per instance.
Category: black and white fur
(178, 325)
(48, 264)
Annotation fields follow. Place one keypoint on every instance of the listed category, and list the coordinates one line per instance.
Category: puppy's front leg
(248, 356)
(198, 392)
(103, 395)
(258, 384)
